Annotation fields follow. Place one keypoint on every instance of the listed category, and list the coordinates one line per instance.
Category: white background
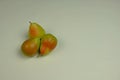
(88, 33)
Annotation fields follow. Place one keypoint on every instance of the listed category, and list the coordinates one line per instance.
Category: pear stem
(30, 22)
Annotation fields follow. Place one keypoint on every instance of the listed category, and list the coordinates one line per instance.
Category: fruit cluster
(38, 41)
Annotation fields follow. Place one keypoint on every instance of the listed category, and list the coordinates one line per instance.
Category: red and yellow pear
(30, 46)
(48, 43)
(36, 30)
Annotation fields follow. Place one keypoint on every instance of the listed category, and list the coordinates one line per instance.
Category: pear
(48, 43)
(31, 46)
(36, 30)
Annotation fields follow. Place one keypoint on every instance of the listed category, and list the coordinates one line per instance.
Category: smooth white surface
(88, 33)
